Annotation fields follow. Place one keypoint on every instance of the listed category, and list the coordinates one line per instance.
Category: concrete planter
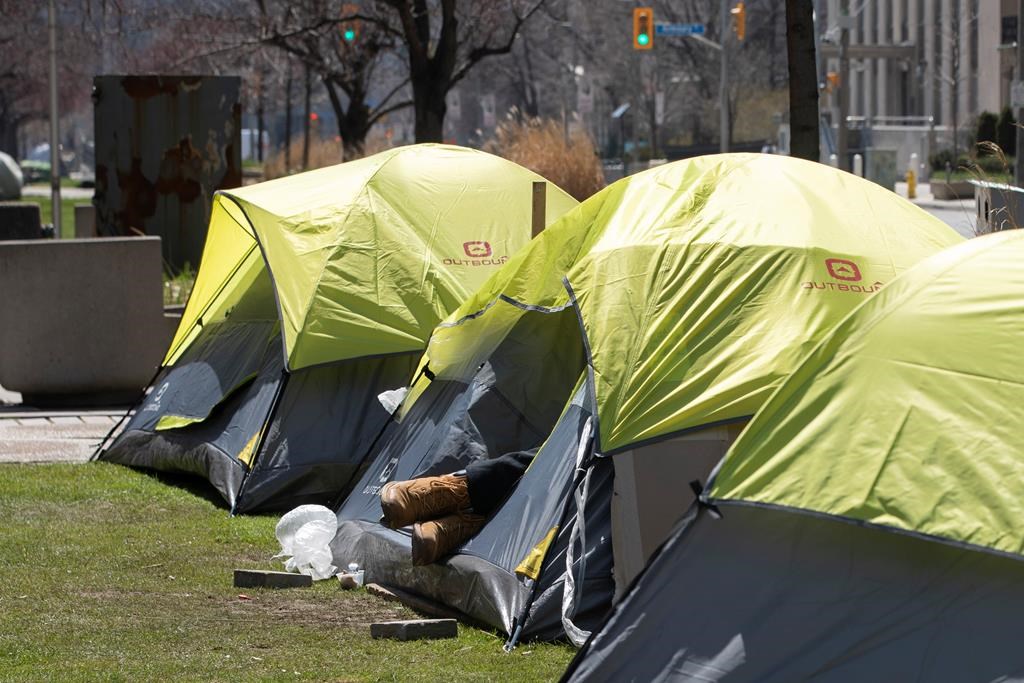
(998, 206)
(20, 221)
(81, 321)
(957, 189)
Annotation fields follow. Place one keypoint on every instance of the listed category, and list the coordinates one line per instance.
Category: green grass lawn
(67, 212)
(111, 574)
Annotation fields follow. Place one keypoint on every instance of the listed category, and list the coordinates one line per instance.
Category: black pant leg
(491, 480)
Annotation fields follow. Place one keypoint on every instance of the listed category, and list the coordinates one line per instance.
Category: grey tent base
(480, 580)
(308, 428)
(168, 453)
(496, 595)
(772, 595)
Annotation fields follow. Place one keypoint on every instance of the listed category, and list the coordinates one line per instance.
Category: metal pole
(1018, 164)
(54, 132)
(844, 82)
(723, 120)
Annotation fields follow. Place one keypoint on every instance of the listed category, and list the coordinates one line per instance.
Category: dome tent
(868, 520)
(317, 292)
(649, 323)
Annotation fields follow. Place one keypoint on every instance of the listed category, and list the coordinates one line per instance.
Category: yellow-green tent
(316, 292)
(910, 414)
(869, 522)
(656, 317)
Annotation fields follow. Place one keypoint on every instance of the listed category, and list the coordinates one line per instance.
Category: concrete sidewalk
(38, 190)
(32, 435)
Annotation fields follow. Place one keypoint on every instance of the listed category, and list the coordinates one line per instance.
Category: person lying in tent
(447, 510)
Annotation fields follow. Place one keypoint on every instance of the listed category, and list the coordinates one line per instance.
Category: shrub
(940, 159)
(178, 286)
(1006, 132)
(541, 146)
(991, 159)
(322, 152)
(986, 127)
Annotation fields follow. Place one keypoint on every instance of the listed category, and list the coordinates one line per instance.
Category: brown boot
(434, 539)
(405, 502)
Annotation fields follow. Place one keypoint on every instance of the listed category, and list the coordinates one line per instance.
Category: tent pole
(520, 620)
(540, 189)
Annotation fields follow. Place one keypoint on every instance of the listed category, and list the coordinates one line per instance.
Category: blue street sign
(678, 29)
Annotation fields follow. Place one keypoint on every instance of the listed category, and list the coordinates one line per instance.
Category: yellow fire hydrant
(911, 184)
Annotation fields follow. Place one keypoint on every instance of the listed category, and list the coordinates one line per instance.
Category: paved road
(958, 214)
(962, 221)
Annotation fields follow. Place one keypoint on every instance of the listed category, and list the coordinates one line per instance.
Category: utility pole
(844, 82)
(54, 131)
(1018, 163)
(723, 120)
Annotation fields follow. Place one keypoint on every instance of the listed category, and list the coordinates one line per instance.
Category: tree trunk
(305, 119)
(652, 122)
(8, 129)
(803, 80)
(353, 121)
(288, 120)
(9, 137)
(259, 120)
(430, 106)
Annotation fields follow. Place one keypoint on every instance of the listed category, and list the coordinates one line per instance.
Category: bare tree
(311, 30)
(444, 40)
(24, 76)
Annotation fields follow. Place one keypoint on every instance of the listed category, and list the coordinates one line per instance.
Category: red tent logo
(477, 249)
(841, 269)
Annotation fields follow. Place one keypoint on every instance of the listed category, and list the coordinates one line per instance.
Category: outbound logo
(477, 249)
(154, 404)
(385, 475)
(479, 253)
(844, 273)
(841, 269)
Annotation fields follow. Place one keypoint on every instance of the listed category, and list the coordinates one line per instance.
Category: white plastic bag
(305, 535)
(392, 398)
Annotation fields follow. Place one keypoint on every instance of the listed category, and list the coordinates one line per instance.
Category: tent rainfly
(648, 324)
(869, 523)
(316, 293)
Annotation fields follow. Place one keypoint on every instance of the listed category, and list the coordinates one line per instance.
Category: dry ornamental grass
(541, 146)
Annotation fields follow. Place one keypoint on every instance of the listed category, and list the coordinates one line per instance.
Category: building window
(1009, 34)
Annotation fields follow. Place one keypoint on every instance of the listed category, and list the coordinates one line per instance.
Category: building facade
(938, 60)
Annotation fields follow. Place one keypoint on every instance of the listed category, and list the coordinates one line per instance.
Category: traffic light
(739, 20)
(643, 28)
(349, 29)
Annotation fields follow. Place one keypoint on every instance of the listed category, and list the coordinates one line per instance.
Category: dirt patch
(356, 613)
(322, 608)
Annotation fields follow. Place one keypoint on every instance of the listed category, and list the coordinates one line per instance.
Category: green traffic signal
(349, 35)
(643, 39)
